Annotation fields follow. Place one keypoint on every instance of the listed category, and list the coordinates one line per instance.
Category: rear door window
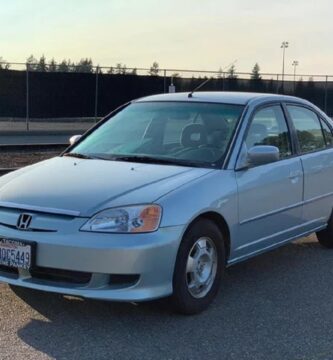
(327, 133)
(309, 131)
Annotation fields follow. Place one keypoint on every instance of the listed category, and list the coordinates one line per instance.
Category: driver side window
(269, 127)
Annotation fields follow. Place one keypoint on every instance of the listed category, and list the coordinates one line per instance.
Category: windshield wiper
(79, 156)
(154, 160)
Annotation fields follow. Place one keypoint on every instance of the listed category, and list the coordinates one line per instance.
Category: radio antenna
(207, 80)
(199, 87)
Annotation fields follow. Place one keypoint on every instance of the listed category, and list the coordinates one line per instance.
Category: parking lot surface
(276, 306)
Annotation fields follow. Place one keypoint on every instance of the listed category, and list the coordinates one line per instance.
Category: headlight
(128, 219)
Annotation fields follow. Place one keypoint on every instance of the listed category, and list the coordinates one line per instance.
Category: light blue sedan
(164, 193)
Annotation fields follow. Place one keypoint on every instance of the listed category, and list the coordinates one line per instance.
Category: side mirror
(74, 139)
(262, 154)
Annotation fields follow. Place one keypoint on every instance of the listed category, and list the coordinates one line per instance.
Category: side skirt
(273, 246)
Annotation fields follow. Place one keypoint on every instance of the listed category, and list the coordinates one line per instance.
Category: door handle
(294, 175)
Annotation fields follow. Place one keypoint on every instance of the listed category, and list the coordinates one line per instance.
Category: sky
(180, 34)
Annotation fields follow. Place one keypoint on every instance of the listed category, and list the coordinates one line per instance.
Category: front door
(270, 195)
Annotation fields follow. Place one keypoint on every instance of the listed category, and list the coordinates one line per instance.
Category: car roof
(237, 98)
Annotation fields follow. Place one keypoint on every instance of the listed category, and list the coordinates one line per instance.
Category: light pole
(294, 64)
(284, 45)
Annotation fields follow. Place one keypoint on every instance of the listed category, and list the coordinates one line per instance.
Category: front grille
(59, 275)
(14, 227)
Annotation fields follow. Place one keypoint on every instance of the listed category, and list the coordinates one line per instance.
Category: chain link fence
(57, 99)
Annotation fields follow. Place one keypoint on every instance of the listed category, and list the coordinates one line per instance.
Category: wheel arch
(221, 223)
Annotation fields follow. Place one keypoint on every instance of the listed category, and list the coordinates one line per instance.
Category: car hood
(83, 187)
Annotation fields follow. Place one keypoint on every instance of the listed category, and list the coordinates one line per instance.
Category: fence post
(164, 81)
(277, 83)
(96, 95)
(326, 90)
(27, 115)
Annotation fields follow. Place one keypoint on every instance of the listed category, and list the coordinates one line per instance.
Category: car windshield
(189, 134)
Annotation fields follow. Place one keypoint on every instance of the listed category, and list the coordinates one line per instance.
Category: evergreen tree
(63, 66)
(84, 65)
(41, 66)
(232, 72)
(119, 69)
(124, 70)
(31, 63)
(255, 74)
(154, 69)
(52, 66)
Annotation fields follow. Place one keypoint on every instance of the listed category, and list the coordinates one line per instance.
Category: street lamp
(284, 45)
(294, 64)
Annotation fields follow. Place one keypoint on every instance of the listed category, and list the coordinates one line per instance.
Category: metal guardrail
(33, 147)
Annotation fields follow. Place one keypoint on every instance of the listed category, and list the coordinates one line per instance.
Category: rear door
(315, 147)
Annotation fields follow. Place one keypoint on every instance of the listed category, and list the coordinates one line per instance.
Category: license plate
(16, 253)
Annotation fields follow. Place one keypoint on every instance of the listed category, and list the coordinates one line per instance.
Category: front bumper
(121, 267)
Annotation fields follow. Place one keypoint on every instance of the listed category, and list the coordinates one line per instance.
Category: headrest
(194, 135)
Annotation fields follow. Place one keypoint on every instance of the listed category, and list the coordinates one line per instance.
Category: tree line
(86, 65)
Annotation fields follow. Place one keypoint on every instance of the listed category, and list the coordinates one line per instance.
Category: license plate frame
(20, 247)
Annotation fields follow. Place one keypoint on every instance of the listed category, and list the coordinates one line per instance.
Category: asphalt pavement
(40, 132)
(276, 306)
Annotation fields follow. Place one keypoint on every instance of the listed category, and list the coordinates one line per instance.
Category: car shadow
(275, 306)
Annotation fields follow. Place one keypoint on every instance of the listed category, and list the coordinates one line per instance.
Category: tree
(84, 65)
(72, 66)
(41, 66)
(124, 70)
(119, 69)
(154, 69)
(4, 64)
(134, 71)
(53, 66)
(63, 66)
(31, 63)
(255, 75)
(232, 72)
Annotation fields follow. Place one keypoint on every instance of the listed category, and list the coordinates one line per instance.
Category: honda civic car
(164, 193)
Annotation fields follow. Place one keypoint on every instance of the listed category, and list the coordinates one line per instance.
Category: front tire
(199, 267)
(325, 237)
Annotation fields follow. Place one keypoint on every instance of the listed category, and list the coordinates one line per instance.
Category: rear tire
(325, 237)
(199, 268)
